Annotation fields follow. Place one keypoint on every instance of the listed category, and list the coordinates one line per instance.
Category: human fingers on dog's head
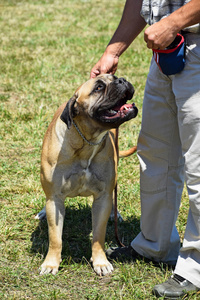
(106, 65)
(94, 72)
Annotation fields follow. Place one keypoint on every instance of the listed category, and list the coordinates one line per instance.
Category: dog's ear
(69, 111)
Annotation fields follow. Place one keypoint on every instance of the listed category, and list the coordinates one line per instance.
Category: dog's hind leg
(100, 214)
(42, 214)
(112, 215)
(55, 211)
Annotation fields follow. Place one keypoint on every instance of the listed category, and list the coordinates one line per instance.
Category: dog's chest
(83, 180)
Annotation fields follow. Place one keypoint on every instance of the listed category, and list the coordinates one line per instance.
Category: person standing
(169, 140)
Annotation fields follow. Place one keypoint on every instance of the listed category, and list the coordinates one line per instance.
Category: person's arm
(161, 34)
(130, 26)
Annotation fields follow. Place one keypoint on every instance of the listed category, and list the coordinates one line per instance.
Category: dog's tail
(125, 153)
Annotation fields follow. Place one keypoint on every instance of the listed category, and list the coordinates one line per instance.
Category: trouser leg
(161, 160)
(186, 90)
(188, 103)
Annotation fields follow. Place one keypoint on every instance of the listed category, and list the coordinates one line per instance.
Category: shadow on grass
(77, 233)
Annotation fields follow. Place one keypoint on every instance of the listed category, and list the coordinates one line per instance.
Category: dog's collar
(84, 138)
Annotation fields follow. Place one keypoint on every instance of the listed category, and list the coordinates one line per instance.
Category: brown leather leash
(115, 193)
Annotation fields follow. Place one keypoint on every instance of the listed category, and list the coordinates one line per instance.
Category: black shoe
(122, 253)
(174, 288)
(127, 253)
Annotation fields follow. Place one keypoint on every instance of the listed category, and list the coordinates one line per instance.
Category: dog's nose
(120, 81)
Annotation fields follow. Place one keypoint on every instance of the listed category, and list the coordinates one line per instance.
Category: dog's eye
(99, 87)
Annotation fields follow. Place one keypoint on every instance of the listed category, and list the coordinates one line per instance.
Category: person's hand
(160, 35)
(107, 64)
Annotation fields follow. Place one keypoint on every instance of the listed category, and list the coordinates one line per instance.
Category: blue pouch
(171, 60)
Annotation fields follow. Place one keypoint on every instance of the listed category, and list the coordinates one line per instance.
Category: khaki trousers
(169, 154)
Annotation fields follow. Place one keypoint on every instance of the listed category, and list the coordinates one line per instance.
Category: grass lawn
(47, 49)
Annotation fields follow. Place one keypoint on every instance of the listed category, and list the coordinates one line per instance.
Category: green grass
(47, 49)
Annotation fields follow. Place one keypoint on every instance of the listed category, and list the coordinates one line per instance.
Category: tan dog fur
(70, 167)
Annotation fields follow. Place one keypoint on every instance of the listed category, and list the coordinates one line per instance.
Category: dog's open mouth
(121, 111)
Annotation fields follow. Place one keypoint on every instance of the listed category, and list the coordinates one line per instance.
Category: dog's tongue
(125, 107)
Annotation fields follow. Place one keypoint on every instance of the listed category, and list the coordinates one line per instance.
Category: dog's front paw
(102, 268)
(49, 267)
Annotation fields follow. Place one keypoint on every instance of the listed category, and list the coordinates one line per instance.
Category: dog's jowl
(79, 159)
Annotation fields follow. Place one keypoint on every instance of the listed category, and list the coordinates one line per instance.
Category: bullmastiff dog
(79, 159)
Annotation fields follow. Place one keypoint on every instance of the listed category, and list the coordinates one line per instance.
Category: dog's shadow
(77, 233)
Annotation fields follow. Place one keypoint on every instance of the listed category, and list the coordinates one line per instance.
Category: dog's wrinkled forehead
(85, 90)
